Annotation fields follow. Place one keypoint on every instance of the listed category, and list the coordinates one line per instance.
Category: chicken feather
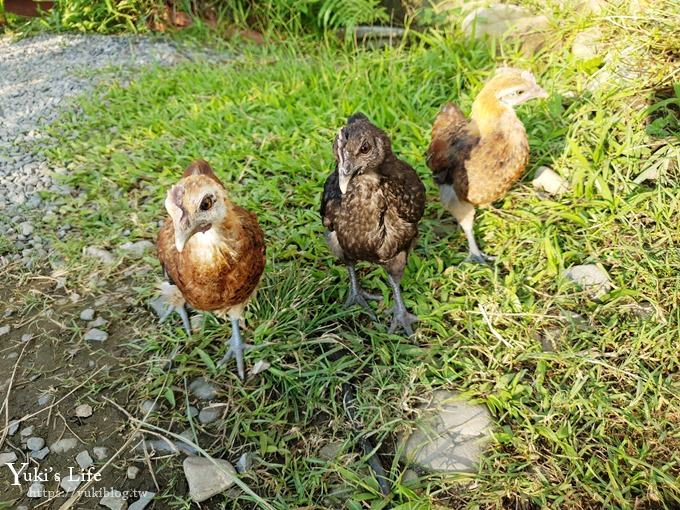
(210, 248)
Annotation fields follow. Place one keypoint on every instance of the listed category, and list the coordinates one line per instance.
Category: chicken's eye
(365, 148)
(206, 203)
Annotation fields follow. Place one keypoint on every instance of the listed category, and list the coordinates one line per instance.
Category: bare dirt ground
(48, 362)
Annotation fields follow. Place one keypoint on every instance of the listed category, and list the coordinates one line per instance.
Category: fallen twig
(5, 404)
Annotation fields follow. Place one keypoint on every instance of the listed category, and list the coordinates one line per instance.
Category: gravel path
(38, 76)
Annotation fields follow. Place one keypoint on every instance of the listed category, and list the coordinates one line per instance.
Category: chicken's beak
(185, 232)
(344, 174)
(181, 237)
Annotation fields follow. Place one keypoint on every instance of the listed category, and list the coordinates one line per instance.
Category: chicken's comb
(176, 195)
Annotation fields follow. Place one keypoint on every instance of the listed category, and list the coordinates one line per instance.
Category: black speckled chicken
(371, 206)
(475, 161)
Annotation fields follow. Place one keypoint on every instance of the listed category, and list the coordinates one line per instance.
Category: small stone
(209, 415)
(35, 443)
(105, 256)
(113, 500)
(7, 458)
(40, 454)
(587, 44)
(410, 477)
(64, 445)
(451, 435)
(27, 432)
(87, 314)
(13, 427)
(132, 472)
(331, 451)
(25, 228)
(546, 179)
(101, 301)
(100, 453)
(36, 490)
(84, 460)
(589, 6)
(591, 277)
(500, 19)
(260, 366)
(193, 411)
(83, 411)
(45, 399)
(202, 389)
(149, 407)
(137, 249)
(145, 498)
(12, 355)
(96, 335)
(5, 329)
(97, 323)
(245, 462)
(207, 477)
(26, 337)
(70, 482)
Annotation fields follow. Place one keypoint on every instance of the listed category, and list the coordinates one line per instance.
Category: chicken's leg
(171, 300)
(236, 348)
(464, 212)
(401, 317)
(357, 295)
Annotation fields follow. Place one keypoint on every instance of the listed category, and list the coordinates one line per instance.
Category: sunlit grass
(592, 425)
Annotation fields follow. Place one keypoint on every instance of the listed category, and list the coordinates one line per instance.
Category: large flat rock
(207, 477)
(450, 436)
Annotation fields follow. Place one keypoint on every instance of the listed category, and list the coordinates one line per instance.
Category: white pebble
(548, 180)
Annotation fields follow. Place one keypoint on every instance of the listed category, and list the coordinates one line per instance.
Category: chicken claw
(479, 258)
(236, 348)
(402, 318)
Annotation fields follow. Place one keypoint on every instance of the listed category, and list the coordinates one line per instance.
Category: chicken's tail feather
(448, 122)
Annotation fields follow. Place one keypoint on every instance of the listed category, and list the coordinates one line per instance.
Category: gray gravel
(38, 78)
(64, 445)
(35, 443)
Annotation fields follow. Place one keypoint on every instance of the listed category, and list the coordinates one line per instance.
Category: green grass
(594, 424)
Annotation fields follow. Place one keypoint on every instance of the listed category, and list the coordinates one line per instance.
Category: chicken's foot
(359, 296)
(401, 317)
(479, 257)
(236, 348)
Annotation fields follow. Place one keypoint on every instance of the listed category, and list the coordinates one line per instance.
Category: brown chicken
(475, 161)
(371, 206)
(212, 252)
